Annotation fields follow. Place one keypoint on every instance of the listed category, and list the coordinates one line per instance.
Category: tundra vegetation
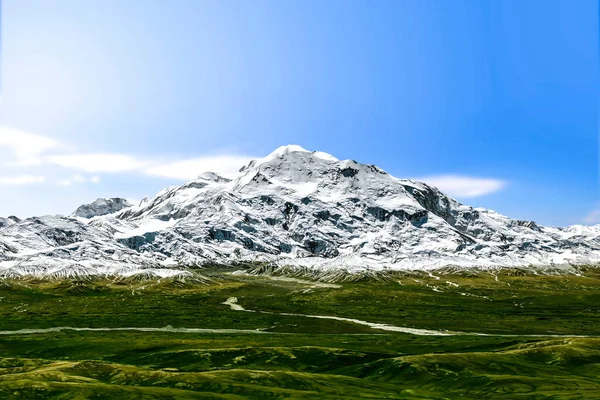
(252, 333)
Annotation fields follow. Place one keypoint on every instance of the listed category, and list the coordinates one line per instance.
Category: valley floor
(440, 335)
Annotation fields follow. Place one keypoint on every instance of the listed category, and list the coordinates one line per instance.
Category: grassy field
(517, 336)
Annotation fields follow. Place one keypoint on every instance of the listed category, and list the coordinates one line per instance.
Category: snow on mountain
(4, 222)
(65, 247)
(292, 208)
(101, 207)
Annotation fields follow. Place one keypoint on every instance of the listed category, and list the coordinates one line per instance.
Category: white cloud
(26, 148)
(21, 180)
(98, 162)
(29, 150)
(78, 179)
(185, 169)
(464, 186)
(190, 169)
(593, 217)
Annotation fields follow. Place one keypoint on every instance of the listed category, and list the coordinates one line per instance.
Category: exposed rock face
(293, 207)
(101, 207)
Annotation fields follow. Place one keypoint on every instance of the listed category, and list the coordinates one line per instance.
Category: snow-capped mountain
(291, 208)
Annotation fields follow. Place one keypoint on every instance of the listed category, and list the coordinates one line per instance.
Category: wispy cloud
(26, 148)
(593, 217)
(464, 186)
(78, 179)
(95, 163)
(185, 169)
(225, 165)
(19, 180)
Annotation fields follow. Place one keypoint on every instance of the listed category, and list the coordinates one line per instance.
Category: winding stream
(233, 303)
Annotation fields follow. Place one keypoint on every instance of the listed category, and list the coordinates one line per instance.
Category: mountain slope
(296, 207)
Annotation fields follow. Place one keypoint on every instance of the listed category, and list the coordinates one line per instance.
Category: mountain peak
(8, 221)
(213, 177)
(282, 151)
(290, 152)
(101, 207)
(290, 148)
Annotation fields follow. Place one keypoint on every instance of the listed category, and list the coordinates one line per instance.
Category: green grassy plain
(541, 337)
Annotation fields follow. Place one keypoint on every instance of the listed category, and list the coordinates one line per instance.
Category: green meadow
(507, 334)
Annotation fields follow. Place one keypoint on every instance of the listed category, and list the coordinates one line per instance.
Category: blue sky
(494, 101)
